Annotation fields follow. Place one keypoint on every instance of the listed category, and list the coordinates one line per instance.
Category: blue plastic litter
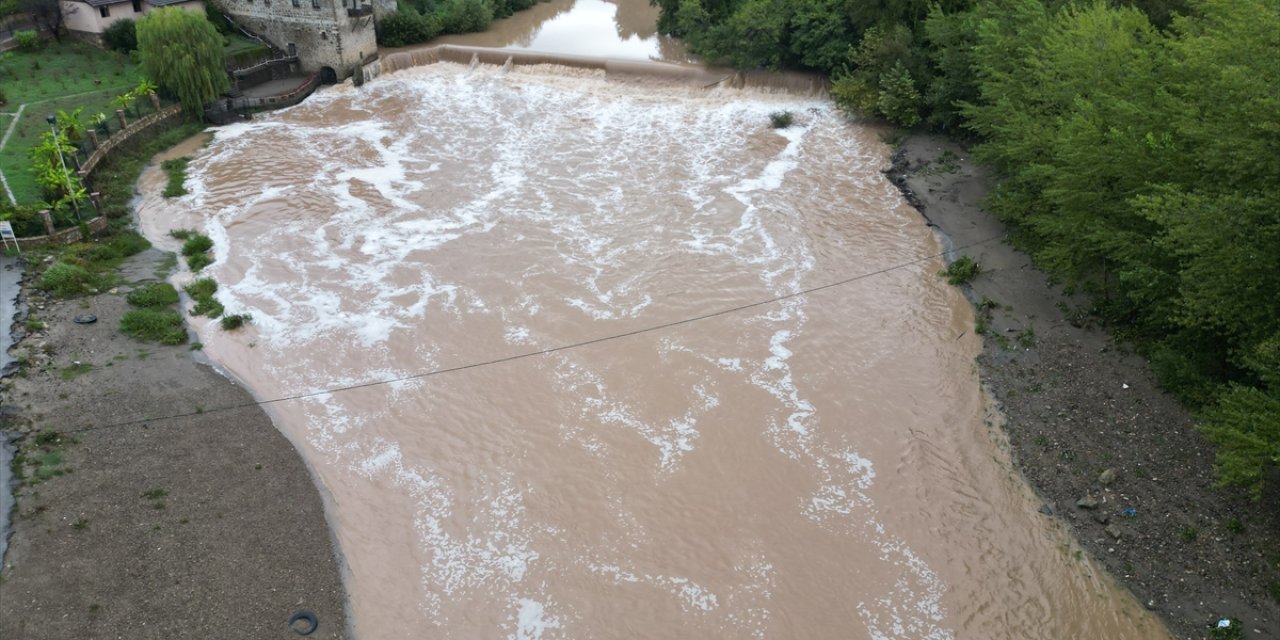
(1129, 512)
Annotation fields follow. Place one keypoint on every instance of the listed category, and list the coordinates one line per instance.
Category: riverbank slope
(1112, 455)
(133, 525)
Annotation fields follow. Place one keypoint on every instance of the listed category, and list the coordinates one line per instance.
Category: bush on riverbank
(154, 325)
(89, 266)
(64, 280)
(176, 170)
(155, 294)
(202, 291)
(418, 21)
(115, 177)
(1133, 146)
(195, 249)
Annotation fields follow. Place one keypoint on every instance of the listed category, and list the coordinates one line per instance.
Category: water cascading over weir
(650, 72)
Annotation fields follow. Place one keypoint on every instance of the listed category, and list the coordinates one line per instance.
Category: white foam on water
(692, 596)
(343, 291)
(532, 621)
(493, 552)
(672, 438)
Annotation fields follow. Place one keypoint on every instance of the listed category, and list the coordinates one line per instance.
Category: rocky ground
(1113, 456)
(132, 525)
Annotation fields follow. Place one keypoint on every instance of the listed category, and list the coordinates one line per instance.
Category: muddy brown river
(538, 334)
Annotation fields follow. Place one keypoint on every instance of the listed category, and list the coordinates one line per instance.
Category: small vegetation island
(1134, 147)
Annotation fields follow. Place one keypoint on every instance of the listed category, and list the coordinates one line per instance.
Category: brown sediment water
(812, 466)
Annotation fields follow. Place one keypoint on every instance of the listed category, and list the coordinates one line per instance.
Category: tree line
(418, 21)
(1136, 145)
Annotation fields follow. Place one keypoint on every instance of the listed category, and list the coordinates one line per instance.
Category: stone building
(328, 36)
(89, 18)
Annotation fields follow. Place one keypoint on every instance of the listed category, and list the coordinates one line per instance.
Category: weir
(648, 72)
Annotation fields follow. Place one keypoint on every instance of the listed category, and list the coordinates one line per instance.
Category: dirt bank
(1111, 454)
(202, 526)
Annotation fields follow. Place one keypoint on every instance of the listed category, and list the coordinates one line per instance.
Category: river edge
(1090, 430)
(205, 524)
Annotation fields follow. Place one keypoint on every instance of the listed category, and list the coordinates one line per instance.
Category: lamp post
(58, 145)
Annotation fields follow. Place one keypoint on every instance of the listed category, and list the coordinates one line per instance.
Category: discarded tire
(309, 623)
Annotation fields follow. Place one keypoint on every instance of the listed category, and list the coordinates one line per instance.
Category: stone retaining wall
(66, 236)
(98, 224)
(123, 136)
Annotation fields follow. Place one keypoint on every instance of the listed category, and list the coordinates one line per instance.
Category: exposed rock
(1114, 531)
(1107, 477)
(1087, 502)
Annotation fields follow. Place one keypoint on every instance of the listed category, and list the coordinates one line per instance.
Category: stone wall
(384, 8)
(66, 236)
(123, 136)
(322, 33)
(99, 223)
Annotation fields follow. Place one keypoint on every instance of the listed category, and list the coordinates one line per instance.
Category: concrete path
(10, 278)
(5, 140)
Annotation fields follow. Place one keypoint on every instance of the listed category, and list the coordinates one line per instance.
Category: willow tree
(182, 52)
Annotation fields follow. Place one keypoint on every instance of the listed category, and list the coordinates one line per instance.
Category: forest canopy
(1137, 149)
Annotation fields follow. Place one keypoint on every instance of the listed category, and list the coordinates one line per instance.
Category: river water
(711, 456)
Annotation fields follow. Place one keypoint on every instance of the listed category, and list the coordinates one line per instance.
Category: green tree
(821, 34)
(882, 74)
(50, 170)
(121, 36)
(182, 52)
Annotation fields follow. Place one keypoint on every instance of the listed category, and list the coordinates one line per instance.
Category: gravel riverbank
(131, 525)
(1114, 457)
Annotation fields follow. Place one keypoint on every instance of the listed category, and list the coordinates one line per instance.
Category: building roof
(154, 3)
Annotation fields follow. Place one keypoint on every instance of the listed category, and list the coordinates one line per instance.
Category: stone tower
(328, 36)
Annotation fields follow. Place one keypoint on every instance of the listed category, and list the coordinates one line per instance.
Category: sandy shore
(1091, 431)
(135, 526)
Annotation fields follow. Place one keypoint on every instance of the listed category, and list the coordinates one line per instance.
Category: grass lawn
(241, 50)
(59, 76)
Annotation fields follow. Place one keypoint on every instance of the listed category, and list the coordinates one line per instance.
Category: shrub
(962, 271)
(196, 244)
(121, 36)
(781, 119)
(199, 261)
(898, 99)
(101, 255)
(235, 321)
(128, 243)
(202, 291)
(156, 294)
(27, 40)
(1244, 427)
(176, 169)
(24, 218)
(208, 307)
(65, 279)
(465, 16)
(94, 253)
(407, 27)
(154, 325)
(181, 234)
(202, 288)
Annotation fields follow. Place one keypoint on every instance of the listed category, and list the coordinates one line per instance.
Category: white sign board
(6, 234)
